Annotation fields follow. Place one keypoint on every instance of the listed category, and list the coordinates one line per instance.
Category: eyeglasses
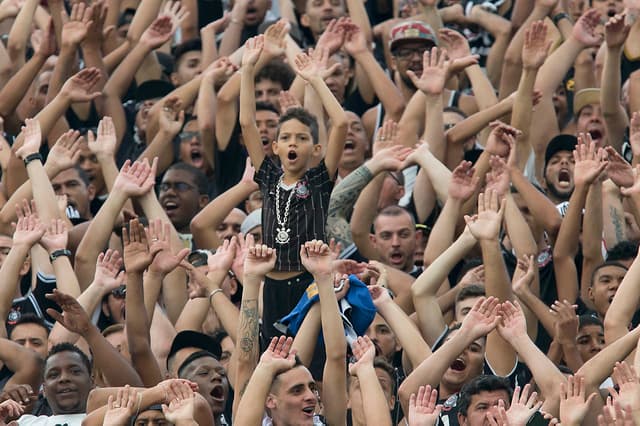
(177, 186)
(120, 292)
(198, 258)
(187, 136)
(407, 53)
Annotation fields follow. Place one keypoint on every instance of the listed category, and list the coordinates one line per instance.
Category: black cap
(153, 89)
(196, 340)
(559, 143)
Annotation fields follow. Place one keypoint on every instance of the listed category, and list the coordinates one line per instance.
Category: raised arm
(54, 242)
(19, 34)
(25, 364)
(317, 259)
(250, 135)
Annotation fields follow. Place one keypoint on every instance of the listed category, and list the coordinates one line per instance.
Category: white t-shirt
(61, 419)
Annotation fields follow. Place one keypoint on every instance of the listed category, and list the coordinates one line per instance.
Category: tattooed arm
(259, 261)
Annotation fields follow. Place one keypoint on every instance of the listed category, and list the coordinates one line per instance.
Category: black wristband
(31, 157)
(59, 253)
(560, 16)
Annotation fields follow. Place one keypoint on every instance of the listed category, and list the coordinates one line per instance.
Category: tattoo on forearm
(617, 223)
(339, 229)
(346, 193)
(249, 326)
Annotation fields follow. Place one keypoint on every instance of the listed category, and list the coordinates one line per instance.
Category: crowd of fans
(308, 212)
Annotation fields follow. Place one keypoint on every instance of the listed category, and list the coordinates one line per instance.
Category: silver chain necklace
(282, 232)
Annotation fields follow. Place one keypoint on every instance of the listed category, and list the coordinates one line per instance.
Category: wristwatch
(59, 253)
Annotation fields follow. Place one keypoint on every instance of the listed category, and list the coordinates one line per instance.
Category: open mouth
(596, 135)
(217, 393)
(170, 205)
(67, 392)
(564, 177)
(349, 145)
(292, 155)
(308, 411)
(196, 158)
(396, 257)
(458, 365)
(265, 140)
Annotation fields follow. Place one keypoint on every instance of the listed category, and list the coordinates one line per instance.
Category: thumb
(412, 76)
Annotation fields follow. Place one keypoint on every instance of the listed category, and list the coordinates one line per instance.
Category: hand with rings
(121, 406)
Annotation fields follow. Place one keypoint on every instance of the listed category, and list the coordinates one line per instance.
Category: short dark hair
(470, 291)
(624, 250)
(384, 365)
(266, 106)
(276, 380)
(482, 383)
(303, 116)
(199, 178)
(456, 110)
(69, 347)
(84, 177)
(278, 71)
(395, 211)
(468, 265)
(586, 320)
(604, 265)
(187, 46)
(28, 318)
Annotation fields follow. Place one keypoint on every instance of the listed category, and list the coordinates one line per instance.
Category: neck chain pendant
(282, 232)
(282, 235)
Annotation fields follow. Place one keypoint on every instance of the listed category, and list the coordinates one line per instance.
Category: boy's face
(604, 287)
(295, 146)
(189, 66)
(589, 341)
(267, 123)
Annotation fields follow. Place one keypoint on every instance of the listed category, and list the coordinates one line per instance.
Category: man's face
(6, 243)
(254, 201)
(450, 119)
(560, 104)
(191, 148)
(293, 401)
(267, 123)
(408, 56)
(319, 13)
(32, 336)
(607, 8)
(466, 366)
(188, 68)
(395, 240)
(391, 193)
(212, 381)
(142, 114)
(355, 146)
(339, 78)
(118, 340)
(227, 347)
(152, 417)
(88, 162)
(355, 394)
(381, 335)
(558, 178)
(231, 225)
(67, 383)
(590, 341)
(256, 11)
(482, 404)
(463, 307)
(605, 285)
(114, 307)
(590, 121)
(41, 87)
(180, 199)
(268, 91)
(79, 195)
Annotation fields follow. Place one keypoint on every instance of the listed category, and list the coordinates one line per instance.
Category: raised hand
(73, 316)
(625, 376)
(589, 161)
(75, 29)
(386, 136)
(176, 12)
(137, 256)
(260, 259)
(379, 295)
(248, 175)
(47, 44)
(28, 230)
(216, 27)
(498, 178)
(573, 402)
(172, 116)
(635, 188)
(584, 30)
(279, 356)
(499, 142)
(21, 393)
(96, 31)
(536, 46)
(616, 31)
(32, 138)
(463, 184)
(288, 101)
(252, 50)
(527, 264)
(392, 158)
(108, 275)
(56, 236)
(435, 68)
(164, 261)
(121, 406)
(566, 322)
(457, 44)
(355, 42)
(618, 169)
(78, 87)
(423, 410)
(316, 258)
(523, 406)
(223, 258)
(220, 70)
(105, 144)
(65, 153)
(275, 41)
(10, 409)
(364, 351)
(10, 8)
(181, 408)
(333, 36)
(158, 33)
(199, 285)
(486, 224)
(482, 318)
(613, 414)
(135, 180)
(314, 64)
(513, 323)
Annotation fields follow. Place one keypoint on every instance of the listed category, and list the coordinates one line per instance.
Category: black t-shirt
(307, 216)
(34, 302)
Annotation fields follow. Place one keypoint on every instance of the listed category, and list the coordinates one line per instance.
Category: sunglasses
(120, 292)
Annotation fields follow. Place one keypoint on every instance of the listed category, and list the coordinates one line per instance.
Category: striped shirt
(307, 217)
